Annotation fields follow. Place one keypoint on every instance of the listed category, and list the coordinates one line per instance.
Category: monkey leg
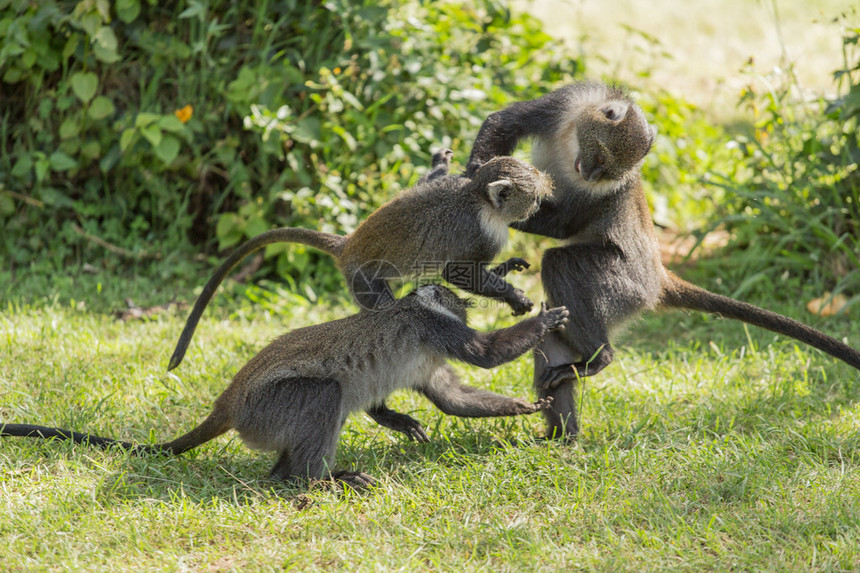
(552, 376)
(475, 278)
(449, 395)
(298, 417)
(560, 417)
(398, 422)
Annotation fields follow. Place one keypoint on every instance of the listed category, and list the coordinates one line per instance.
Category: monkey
(294, 396)
(445, 222)
(592, 140)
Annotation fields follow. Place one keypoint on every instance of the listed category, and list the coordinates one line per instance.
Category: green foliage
(158, 127)
(793, 196)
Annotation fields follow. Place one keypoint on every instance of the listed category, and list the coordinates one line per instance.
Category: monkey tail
(678, 293)
(326, 242)
(45, 432)
(213, 426)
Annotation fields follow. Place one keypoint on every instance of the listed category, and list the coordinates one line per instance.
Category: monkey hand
(522, 406)
(521, 303)
(554, 317)
(543, 404)
(513, 264)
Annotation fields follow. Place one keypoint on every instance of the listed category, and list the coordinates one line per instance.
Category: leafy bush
(155, 128)
(793, 206)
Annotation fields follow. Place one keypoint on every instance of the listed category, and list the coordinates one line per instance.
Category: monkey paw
(554, 317)
(521, 304)
(513, 264)
(543, 404)
(355, 480)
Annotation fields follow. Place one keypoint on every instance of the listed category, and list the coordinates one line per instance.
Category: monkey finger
(418, 434)
(543, 403)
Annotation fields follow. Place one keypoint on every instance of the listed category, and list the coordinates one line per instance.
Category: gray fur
(446, 223)
(592, 140)
(296, 394)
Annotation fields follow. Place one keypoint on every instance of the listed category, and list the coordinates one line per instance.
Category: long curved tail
(45, 432)
(326, 242)
(213, 426)
(678, 293)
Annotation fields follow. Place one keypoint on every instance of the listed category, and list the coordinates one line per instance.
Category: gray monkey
(296, 394)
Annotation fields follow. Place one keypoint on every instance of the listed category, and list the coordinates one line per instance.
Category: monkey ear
(498, 192)
(615, 110)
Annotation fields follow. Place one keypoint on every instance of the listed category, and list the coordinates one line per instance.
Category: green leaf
(100, 108)
(59, 161)
(127, 10)
(197, 9)
(70, 127)
(229, 230)
(168, 149)
(152, 133)
(145, 118)
(22, 167)
(105, 45)
(171, 123)
(42, 166)
(126, 139)
(54, 197)
(84, 85)
(7, 205)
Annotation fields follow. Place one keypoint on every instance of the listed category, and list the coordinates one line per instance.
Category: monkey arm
(502, 130)
(475, 278)
(393, 420)
(551, 220)
(449, 395)
(491, 349)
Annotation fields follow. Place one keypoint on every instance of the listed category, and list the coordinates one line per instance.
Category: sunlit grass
(699, 451)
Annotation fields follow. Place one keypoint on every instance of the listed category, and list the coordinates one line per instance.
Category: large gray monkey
(592, 140)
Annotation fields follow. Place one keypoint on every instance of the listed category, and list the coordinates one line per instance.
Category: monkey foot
(355, 480)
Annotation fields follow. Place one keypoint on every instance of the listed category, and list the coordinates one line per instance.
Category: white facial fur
(557, 155)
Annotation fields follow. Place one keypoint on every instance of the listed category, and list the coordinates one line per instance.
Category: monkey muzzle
(591, 175)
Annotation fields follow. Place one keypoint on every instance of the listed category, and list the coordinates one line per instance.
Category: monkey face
(515, 188)
(613, 140)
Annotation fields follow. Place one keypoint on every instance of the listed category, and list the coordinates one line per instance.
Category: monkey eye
(609, 113)
(600, 159)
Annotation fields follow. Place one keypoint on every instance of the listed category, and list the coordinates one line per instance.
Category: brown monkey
(295, 395)
(452, 223)
(592, 139)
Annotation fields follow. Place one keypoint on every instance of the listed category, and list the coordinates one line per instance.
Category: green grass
(703, 448)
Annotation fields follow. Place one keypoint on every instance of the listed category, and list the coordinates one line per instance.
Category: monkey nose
(595, 175)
